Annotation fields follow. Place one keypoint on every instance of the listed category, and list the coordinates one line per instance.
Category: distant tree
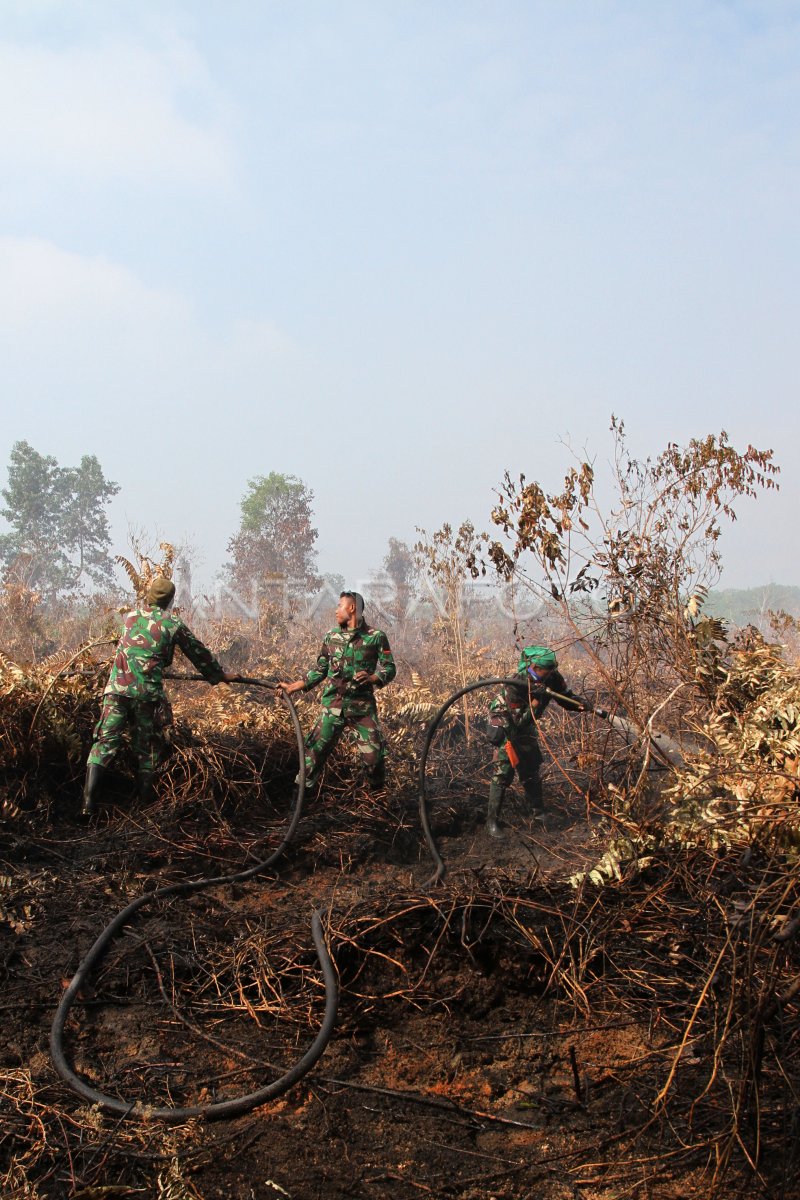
(401, 569)
(59, 527)
(83, 530)
(184, 597)
(32, 509)
(275, 541)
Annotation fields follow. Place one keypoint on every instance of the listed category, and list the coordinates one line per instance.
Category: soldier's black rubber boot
(94, 774)
(535, 797)
(376, 780)
(496, 794)
(145, 790)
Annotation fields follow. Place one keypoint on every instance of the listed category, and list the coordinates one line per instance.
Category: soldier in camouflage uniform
(353, 661)
(134, 694)
(513, 716)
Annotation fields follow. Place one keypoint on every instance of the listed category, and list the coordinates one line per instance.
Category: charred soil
(505, 1033)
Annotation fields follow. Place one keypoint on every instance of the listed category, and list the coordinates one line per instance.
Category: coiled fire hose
(223, 1109)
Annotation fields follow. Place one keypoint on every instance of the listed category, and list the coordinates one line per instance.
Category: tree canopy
(276, 537)
(399, 565)
(59, 536)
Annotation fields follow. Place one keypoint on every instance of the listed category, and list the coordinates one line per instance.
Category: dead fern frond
(12, 669)
(53, 663)
(131, 572)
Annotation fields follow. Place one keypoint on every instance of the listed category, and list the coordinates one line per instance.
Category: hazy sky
(395, 248)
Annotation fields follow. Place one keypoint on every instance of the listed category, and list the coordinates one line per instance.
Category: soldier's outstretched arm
(200, 656)
(314, 676)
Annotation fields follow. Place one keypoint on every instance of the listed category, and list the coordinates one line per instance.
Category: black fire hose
(224, 1109)
(429, 736)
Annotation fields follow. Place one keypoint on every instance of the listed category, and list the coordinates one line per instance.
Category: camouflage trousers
(530, 760)
(144, 718)
(361, 718)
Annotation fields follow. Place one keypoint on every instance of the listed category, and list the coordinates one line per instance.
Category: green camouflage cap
(537, 656)
(160, 592)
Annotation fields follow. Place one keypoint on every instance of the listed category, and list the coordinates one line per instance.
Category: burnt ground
(489, 1042)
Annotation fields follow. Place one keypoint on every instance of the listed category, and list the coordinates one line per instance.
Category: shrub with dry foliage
(744, 783)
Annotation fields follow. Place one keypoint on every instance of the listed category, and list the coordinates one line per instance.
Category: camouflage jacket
(344, 653)
(146, 648)
(519, 707)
